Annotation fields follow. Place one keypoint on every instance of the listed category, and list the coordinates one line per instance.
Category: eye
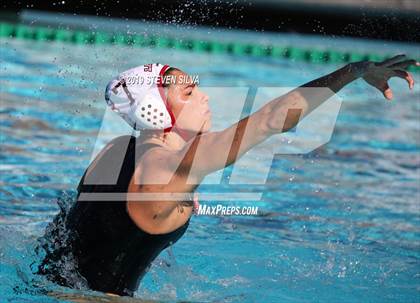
(189, 90)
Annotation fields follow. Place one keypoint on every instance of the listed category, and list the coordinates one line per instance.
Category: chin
(204, 131)
(206, 127)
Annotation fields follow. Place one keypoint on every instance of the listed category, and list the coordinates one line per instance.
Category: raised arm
(208, 151)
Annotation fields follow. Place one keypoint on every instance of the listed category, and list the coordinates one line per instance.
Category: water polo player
(112, 238)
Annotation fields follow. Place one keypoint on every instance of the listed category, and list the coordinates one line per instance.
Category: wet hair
(167, 73)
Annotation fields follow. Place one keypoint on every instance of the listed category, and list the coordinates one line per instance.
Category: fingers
(392, 60)
(386, 91)
(406, 76)
(404, 64)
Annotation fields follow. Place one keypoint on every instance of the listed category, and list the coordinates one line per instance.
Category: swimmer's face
(188, 103)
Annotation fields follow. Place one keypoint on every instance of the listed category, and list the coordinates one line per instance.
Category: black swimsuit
(110, 251)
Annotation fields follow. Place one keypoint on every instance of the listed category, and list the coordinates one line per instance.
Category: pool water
(340, 224)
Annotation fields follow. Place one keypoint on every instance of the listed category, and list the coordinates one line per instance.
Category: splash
(54, 248)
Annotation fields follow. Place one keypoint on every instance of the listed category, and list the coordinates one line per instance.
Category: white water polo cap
(137, 96)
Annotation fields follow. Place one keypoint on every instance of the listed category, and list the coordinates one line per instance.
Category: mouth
(206, 112)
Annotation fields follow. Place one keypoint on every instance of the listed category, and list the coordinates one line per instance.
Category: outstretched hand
(377, 74)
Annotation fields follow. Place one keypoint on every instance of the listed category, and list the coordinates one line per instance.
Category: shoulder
(155, 161)
(156, 155)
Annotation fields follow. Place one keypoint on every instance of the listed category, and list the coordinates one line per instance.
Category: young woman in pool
(113, 233)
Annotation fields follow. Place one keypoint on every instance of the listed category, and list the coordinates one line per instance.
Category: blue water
(340, 224)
